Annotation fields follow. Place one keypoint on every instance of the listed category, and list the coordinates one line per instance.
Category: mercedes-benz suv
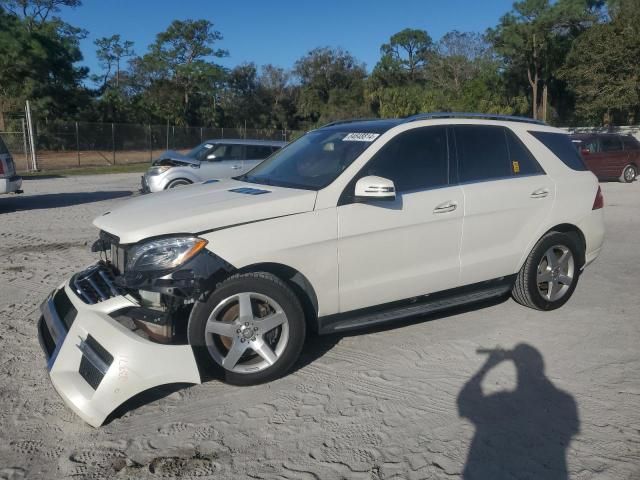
(352, 225)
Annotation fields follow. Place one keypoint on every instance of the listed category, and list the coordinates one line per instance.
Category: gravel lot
(400, 402)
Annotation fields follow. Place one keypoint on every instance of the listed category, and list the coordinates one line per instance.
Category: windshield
(311, 162)
(200, 152)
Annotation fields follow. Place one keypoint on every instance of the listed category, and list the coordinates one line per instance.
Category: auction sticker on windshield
(360, 137)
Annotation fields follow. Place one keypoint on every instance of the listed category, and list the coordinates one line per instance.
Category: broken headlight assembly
(158, 170)
(163, 254)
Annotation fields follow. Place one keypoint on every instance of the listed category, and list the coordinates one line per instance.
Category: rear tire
(180, 182)
(550, 274)
(629, 174)
(249, 330)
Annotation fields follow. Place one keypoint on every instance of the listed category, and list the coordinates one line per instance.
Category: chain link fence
(63, 145)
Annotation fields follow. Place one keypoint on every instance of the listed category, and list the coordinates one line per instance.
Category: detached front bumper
(96, 363)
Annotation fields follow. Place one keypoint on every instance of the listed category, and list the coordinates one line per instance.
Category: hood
(173, 158)
(201, 207)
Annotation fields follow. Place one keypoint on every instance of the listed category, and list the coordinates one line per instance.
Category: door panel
(392, 250)
(501, 218)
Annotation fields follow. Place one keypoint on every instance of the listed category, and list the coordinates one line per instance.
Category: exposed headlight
(164, 253)
(158, 170)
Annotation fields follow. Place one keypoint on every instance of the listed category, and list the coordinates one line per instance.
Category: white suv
(9, 181)
(354, 224)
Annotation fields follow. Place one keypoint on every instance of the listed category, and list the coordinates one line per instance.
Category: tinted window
(482, 153)
(414, 160)
(258, 152)
(588, 145)
(226, 152)
(521, 160)
(630, 143)
(610, 144)
(3, 148)
(562, 147)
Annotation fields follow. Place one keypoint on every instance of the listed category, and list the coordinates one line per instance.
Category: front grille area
(65, 309)
(95, 362)
(96, 284)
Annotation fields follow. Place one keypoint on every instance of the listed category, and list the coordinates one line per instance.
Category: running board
(415, 307)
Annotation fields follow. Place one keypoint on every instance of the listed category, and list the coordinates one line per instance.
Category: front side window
(610, 144)
(225, 152)
(200, 152)
(482, 153)
(414, 160)
(313, 161)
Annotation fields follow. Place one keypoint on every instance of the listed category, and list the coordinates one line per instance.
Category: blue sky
(281, 32)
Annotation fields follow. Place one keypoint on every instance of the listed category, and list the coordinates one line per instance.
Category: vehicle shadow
(17, 203)
(524, 433)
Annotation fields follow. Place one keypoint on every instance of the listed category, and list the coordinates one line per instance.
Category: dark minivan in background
(610, 156)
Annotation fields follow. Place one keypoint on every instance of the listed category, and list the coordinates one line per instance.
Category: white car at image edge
(9, 181)
(354, 224)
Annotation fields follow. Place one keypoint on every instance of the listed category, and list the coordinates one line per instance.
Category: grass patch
(130, 168)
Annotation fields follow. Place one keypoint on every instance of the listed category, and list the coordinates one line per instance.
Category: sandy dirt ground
(414, 400)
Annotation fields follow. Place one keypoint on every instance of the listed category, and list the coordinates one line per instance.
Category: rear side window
(258, 152)
(562, 147)
(3, 148)
(630, 143)
(521, 160)
(482, 153)
(415, 160)
(610, 144)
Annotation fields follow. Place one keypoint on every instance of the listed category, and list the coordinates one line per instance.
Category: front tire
(249, 330)
(629, 174)
(550, 274)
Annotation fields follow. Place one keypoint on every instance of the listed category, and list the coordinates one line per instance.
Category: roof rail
(483, 116)
(351, 120)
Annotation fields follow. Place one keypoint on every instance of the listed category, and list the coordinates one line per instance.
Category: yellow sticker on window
(516, 166)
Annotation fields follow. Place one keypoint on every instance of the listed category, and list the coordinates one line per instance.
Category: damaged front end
(118, 328)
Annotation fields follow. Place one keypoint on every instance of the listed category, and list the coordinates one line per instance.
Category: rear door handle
(446, 207)
(540, 193)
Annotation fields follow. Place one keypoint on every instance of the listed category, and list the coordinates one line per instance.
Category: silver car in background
(212, 159)
(9, 181)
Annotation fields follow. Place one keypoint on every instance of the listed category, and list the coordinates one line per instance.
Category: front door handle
(446, 207)
(540, 193)
(236, 167)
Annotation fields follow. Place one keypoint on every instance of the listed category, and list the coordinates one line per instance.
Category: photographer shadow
(522, 433)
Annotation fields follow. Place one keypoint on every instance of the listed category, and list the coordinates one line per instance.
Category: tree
(602, 67)
(535, 37)
(37, 13)
(407, 51)
(111, 50)
(178, 76)
(331, 85)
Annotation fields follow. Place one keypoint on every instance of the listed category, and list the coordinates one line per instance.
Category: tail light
(599, 201)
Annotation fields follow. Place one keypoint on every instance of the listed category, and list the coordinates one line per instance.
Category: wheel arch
(298, 282)
(567, 228)
(184, 178)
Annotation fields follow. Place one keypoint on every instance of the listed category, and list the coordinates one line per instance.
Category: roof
(244, 141)
(377, 125)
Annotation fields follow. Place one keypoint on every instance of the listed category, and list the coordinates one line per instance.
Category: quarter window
(610, 144)
(482, 153)
(562, 147)
(415, 160)
(258, 152)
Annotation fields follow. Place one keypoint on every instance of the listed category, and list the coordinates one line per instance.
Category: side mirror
(375, 188)
(211, 156)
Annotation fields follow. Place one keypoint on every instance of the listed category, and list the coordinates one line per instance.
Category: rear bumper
(592, 226)
(11, 184)
(96, 363)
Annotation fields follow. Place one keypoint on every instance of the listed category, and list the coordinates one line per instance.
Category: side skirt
(415, 306)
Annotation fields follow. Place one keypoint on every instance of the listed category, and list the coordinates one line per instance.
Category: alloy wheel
(555, 273)
(247, 332)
